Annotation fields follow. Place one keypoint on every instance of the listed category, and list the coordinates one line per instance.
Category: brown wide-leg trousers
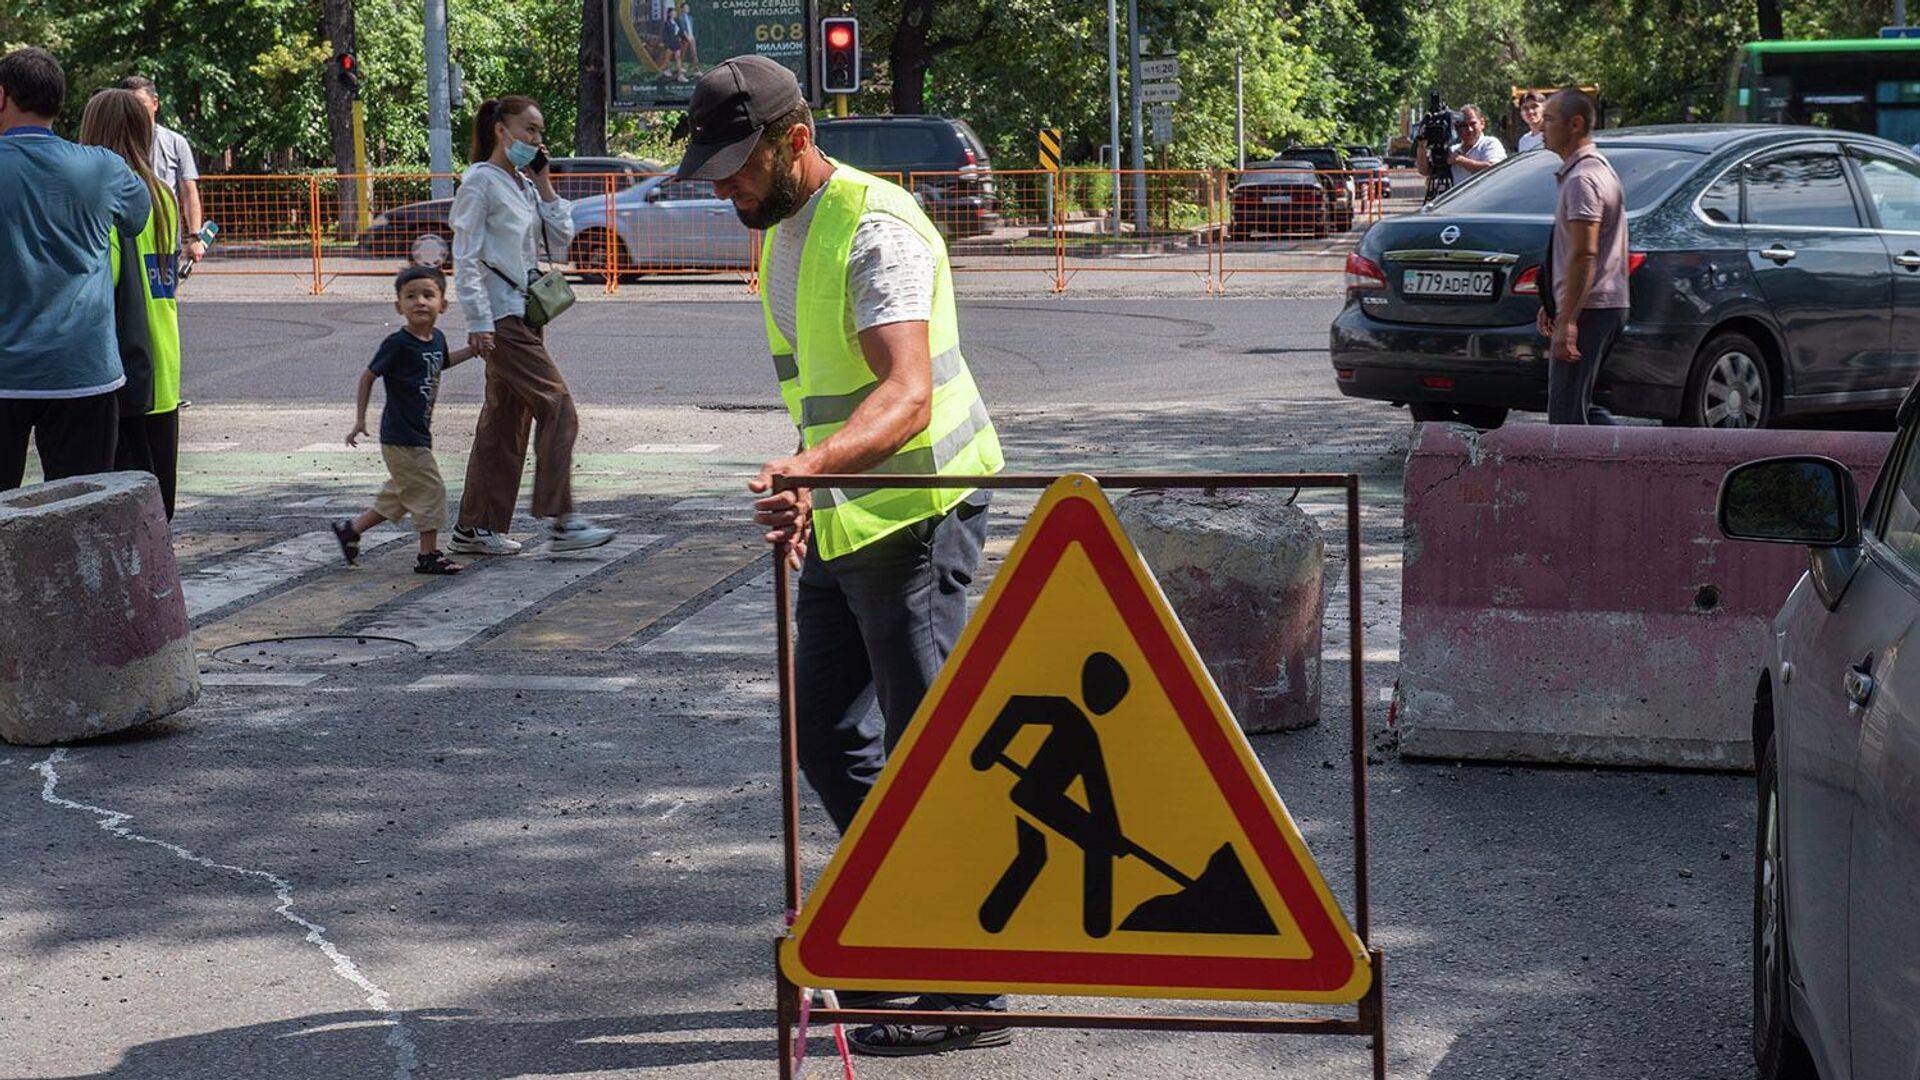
(524, 389)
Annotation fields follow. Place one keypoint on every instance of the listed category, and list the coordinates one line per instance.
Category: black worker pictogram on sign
(1074, 810)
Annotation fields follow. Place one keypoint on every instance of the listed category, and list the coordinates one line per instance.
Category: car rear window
(1525, 185)
(888, 146)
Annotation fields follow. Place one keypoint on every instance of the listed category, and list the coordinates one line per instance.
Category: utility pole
(590, 127)
(1113, 94)
(1139, 132)
(1239, 110)
(439, 107)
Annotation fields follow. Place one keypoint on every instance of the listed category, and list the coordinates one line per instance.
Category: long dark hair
(119, 121)
(492, 111)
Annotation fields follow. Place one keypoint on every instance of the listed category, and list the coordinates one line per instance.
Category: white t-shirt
(1532, 140)
(890, 272)
(173, 159)
(1487, 149)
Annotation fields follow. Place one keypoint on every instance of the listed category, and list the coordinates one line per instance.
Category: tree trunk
(590, 129)
(1771, 28)
(336, 25)
(911, 57)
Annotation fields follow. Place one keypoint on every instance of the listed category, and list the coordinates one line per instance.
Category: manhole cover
(307, 651)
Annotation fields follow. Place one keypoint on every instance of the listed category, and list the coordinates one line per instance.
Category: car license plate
(1276, 198)
(1448, 284)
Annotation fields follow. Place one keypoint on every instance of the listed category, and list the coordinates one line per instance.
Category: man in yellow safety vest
(858, 299)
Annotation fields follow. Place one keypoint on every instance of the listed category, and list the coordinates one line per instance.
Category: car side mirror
(1799, 499)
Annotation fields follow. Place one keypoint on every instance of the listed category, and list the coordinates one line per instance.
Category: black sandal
(349, 540)
(433, 562)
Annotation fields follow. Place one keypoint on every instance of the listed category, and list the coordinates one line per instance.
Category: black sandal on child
(349, 540)
(433, 562)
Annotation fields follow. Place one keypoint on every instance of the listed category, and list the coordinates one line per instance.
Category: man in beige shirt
(1584, 306)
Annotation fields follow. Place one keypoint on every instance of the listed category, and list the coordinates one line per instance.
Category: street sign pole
(1239, 110)
(1139, 133)
(439, 110)
(1113, 92)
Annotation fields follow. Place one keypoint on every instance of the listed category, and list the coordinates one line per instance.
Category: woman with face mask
(505, 217)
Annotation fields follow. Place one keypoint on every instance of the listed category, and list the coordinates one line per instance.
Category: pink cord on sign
(806, 1012)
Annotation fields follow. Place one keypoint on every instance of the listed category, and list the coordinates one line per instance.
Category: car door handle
(1778, 253)
(1909, 259)
(1859, 685)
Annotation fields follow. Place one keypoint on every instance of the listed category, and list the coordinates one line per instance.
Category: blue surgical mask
(521, 153)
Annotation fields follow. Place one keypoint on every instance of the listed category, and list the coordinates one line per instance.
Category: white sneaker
(571, 533)
(481, 542)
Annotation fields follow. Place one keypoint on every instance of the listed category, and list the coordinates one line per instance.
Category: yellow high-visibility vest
(826, 377)
(162, 271)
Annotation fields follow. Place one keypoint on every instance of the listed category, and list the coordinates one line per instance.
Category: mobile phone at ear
(539, 161)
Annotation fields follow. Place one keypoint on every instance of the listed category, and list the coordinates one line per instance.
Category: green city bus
(1870, 85)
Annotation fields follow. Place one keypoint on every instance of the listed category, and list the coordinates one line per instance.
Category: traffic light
(348, 67)
(840, 54)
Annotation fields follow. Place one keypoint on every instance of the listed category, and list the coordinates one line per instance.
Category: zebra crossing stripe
(492, 591)
(540, 684)
(609, 612)
(323, 606)
(243, 577)
(737, 624)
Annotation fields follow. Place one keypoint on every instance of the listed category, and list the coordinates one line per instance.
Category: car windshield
(1524, 184)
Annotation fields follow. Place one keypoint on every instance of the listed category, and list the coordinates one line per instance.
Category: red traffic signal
(348, 67)
(840, 54)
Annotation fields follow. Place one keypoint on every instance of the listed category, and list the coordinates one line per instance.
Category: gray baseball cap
(731, 106)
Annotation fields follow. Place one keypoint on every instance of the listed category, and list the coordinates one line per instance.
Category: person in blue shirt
(59, 356)
(409, 362)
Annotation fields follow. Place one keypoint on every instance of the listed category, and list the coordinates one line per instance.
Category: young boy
(409, 362)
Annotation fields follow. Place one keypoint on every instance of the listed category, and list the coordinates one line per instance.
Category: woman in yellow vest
(119, 121)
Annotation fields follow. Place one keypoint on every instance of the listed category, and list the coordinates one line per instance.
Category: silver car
(1836, 735)
(660, 226)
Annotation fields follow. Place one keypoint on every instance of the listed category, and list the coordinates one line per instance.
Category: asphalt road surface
(540, 837)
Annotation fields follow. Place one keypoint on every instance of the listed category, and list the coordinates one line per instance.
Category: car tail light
(1528, 283)
(1344, 374)
(1364, 274)
(1634, 259)
(968, 150)
(1436, 382)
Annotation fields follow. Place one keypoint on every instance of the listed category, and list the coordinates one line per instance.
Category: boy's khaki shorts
(413, 487)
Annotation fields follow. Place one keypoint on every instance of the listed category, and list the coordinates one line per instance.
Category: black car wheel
(1779, 1053)
(1484, 417)
(591, 253)
(1730, 386)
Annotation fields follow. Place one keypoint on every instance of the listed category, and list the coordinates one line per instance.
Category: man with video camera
(1477, 150)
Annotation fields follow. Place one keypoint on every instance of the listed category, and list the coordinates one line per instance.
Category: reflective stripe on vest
(824, 375)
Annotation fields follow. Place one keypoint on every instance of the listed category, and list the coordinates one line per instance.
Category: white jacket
(495, 223)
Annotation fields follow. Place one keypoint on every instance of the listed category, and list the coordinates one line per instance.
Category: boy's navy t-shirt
(411, 370)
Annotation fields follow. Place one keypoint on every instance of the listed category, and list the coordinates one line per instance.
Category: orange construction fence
(1208, 224)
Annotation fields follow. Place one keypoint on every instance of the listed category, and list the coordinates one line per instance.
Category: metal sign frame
(1369, 1016)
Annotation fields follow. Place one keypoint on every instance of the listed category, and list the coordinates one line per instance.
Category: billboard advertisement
(658, 48)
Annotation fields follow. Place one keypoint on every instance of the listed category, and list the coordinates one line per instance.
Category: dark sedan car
(419, 231)
(1282, 197)
(1775, 271)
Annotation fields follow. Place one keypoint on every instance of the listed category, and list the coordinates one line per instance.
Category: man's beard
(783, 198)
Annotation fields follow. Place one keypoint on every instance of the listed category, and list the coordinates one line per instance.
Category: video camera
(1436, 136)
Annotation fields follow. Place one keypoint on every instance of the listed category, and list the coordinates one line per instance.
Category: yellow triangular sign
(1073, 810)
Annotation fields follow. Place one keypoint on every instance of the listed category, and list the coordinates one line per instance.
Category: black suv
(939, 159)
(1335, 175)
(1775, 270)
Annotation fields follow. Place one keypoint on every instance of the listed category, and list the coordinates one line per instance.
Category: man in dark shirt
(409, 363)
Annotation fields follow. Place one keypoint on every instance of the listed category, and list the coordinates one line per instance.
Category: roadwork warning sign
(1074, 811)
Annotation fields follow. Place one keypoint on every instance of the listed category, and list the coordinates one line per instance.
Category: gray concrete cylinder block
(95, 637)
(1244, 572)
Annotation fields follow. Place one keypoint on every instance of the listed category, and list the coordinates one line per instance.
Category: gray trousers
(1570, 386)
(883, 618)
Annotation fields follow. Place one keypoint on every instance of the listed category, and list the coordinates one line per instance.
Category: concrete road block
(1567, 596)
(95, 637)
(1243, 571)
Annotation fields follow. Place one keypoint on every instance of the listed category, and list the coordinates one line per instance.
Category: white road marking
(495, 590)
(261, 678)
(558, 684)
(406, 1057)
(339, 446)
(741, 504)
(230, 580)
(674, 448)
(737, 624)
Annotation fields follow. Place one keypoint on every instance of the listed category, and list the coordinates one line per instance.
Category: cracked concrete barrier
(95, 638)
(1567, 596)
(1243, 571)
